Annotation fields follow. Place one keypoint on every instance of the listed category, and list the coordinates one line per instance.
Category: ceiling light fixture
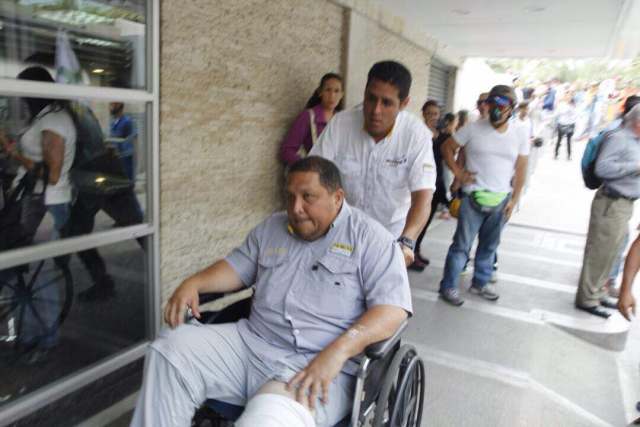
(97, 70)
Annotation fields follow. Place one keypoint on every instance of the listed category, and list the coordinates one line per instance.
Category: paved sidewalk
(529, 359)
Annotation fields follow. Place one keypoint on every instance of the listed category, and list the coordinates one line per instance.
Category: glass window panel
(102, 178)
(46, 333)
(92, 42)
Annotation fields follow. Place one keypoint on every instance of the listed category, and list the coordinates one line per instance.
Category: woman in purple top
(325, 101)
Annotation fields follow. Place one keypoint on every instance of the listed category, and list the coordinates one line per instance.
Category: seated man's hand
(317, 377)
(184, 297)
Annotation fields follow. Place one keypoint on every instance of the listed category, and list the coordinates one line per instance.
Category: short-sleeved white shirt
(492, 155)
(378, 178)
(60, 123)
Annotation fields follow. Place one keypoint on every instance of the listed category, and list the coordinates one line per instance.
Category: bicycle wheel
(34, 300)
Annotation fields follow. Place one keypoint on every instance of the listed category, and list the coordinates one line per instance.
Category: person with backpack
(45, 152)
(617, 165)
(114, 195)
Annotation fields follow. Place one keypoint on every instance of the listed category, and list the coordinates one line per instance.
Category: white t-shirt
(492, 155)
(526, 124)
(60, 123)
(566, 114)
(378, 178)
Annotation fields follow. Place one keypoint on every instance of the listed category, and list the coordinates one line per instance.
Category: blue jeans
(472, 223)
(49, 301)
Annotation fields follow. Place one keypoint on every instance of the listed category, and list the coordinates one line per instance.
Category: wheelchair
(35, 298)
(390, 383)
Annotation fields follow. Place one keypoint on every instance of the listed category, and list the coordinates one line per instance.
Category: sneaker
(487, 292)
(612, 289)
(452, 296)
(609, 303)
(465, 271)
(596, 311)
(494, 277)
(417, 265)
(422, 259)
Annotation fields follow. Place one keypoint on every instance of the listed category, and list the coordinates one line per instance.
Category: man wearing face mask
(496, 156)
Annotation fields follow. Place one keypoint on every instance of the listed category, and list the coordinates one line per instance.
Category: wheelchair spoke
(37, 316)
(5, 313)
(8, 285)
(35, 275)
(7, 299)
(53, 282)
(47, 300)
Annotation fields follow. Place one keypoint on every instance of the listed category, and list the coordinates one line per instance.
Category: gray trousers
(608, 225)
(194, 362)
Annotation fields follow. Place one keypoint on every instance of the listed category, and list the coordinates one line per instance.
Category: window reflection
(102, 172)
(46, 333)
(100, 43)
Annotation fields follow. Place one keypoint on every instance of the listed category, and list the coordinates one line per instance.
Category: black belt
(613, 194)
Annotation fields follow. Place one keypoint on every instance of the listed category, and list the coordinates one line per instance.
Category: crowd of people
(330, 273)
(362, 187)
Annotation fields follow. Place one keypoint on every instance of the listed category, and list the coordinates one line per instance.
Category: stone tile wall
(234, 74)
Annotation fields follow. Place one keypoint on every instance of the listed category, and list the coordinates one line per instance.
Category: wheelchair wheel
(401, 397)
(34, 300)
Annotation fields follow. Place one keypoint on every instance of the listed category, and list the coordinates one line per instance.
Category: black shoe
(104, 290)
(416, 265)
(423, 260)
(609, 303)
(596, 311)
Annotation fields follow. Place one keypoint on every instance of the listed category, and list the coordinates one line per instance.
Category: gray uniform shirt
(309, 293)
(618, 163)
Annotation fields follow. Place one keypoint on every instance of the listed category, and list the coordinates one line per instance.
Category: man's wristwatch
(407, 242)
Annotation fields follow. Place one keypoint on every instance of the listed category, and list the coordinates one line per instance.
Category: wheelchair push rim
(29, 291)
(401, 399)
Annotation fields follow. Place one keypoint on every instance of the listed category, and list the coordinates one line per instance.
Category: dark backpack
(13, 234)
(589, 158)
(96, 168)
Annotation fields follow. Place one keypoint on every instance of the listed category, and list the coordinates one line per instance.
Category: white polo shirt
(378, 178)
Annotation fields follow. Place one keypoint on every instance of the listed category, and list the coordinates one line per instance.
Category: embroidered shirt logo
(341, 249)
(396, 162)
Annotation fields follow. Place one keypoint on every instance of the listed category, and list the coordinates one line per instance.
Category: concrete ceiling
(527, 29)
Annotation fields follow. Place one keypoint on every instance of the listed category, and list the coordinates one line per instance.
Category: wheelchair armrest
(225, 308)
(380, 349)
(218, 301)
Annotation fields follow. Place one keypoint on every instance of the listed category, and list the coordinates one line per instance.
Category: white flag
(67, 66)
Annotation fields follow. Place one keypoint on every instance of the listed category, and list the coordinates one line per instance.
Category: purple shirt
(300, 135)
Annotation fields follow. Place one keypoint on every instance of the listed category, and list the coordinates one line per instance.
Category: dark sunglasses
(502, 102)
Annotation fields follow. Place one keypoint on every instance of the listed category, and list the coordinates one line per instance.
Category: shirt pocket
(334, 288)
(394, 174)
(271, 272)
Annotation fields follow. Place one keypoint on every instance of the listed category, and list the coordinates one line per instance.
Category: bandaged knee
(275, 410)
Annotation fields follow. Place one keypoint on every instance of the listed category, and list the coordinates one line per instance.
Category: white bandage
(275, 410)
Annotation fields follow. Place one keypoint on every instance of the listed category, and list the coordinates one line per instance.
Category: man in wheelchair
(329, 281)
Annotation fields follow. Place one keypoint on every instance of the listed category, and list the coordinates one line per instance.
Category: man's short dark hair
(394, 73)
(630, 102)
(430, 103)
(327, 170)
